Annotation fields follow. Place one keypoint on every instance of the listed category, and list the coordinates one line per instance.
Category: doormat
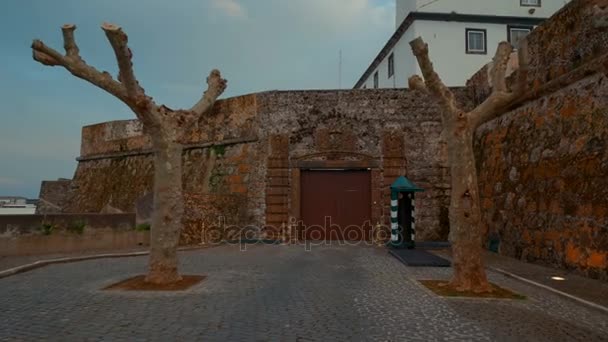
(419, 258)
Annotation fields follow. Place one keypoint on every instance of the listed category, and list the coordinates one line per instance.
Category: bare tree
(164, 126)
(458, 131)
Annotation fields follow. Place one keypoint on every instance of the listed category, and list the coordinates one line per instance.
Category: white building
(15, 205)
(462, 36)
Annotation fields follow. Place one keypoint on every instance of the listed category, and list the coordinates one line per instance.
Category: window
(529, 3)
(476, 41)
(391, 65)
(365, 87)
(376, 80)
(516, 33)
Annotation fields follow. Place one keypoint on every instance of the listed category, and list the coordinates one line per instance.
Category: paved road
(279, 293)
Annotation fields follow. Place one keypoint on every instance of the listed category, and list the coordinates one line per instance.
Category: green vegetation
(143, 227)
(77, 227)
(47, 228)
(218, 150)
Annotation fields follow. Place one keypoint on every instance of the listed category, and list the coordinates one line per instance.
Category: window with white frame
(391, 65)
(530, 3)
(476, 41)
(517, 33)
(376, 80)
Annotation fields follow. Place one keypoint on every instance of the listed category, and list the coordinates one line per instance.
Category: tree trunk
(162, 124)
(167, 216)
(459, 128)
(465, 215)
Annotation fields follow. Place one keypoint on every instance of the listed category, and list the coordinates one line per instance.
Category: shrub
(47, 228)
(143, 227)
(77, 227)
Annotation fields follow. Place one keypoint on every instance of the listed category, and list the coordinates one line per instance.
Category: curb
(42, 263)
(550, 289)
(587, 303)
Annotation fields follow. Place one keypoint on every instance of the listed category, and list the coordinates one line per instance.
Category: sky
(258, 45)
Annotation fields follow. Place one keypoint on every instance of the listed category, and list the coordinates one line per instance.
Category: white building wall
(404, 7)
(447, 48)
(447, 40)
(484, 7)
(447, 45)
(405, 65)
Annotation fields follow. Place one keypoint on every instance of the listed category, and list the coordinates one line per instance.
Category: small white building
(15, 205)
(462, 36)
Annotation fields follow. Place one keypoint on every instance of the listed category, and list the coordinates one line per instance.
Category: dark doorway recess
(336, 205)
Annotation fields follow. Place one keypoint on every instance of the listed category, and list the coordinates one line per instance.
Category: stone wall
(68, 233)
(53, 196)
(543, 165)
(393, 132)
(15, 225)
(245, 171)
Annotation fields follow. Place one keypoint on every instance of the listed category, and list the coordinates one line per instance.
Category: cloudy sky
(257, 44)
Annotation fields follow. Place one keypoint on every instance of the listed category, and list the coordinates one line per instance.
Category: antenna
(340, 71)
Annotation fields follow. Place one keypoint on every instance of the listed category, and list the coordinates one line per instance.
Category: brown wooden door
(336, 205)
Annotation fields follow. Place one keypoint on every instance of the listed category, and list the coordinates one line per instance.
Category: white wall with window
(459, 47)
(459, 50)
(402, 66)
(513, 8)
(455, 57)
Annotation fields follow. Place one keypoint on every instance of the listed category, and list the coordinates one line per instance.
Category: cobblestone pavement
(280, 293)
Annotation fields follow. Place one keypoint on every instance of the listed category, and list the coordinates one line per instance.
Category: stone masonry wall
(241, 172)
(543, 165)
(53, 196)
(394, 131)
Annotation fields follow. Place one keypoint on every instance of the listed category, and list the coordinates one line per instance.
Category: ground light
(558, 278)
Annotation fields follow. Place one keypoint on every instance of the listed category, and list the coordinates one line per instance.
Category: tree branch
(216, 86)
(523, 58)
(500, 98)
(118, 39)
(432, 80)
(48, 56)
(143, 107)
(416, 82)
(69, 43)
(499, 68)
(496, 104)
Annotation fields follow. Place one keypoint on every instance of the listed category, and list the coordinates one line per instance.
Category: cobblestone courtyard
(280, 293)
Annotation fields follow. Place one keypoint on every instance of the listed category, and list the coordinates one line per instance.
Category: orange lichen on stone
(235, 179)
(580, 143)
(553, 235)
(573, 254)
(598, 260)
(600, 210)
(569, 109)
(526, 237)
(539, 121)
(238, 188)
(584, 210)
(531, 206)
(555, 207)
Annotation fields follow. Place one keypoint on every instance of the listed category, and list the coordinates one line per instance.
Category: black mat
(419, 258)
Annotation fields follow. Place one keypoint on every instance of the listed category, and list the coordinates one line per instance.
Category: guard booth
(403, 214)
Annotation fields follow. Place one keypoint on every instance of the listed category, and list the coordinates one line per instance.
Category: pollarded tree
(164, 126)
(458, 131)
